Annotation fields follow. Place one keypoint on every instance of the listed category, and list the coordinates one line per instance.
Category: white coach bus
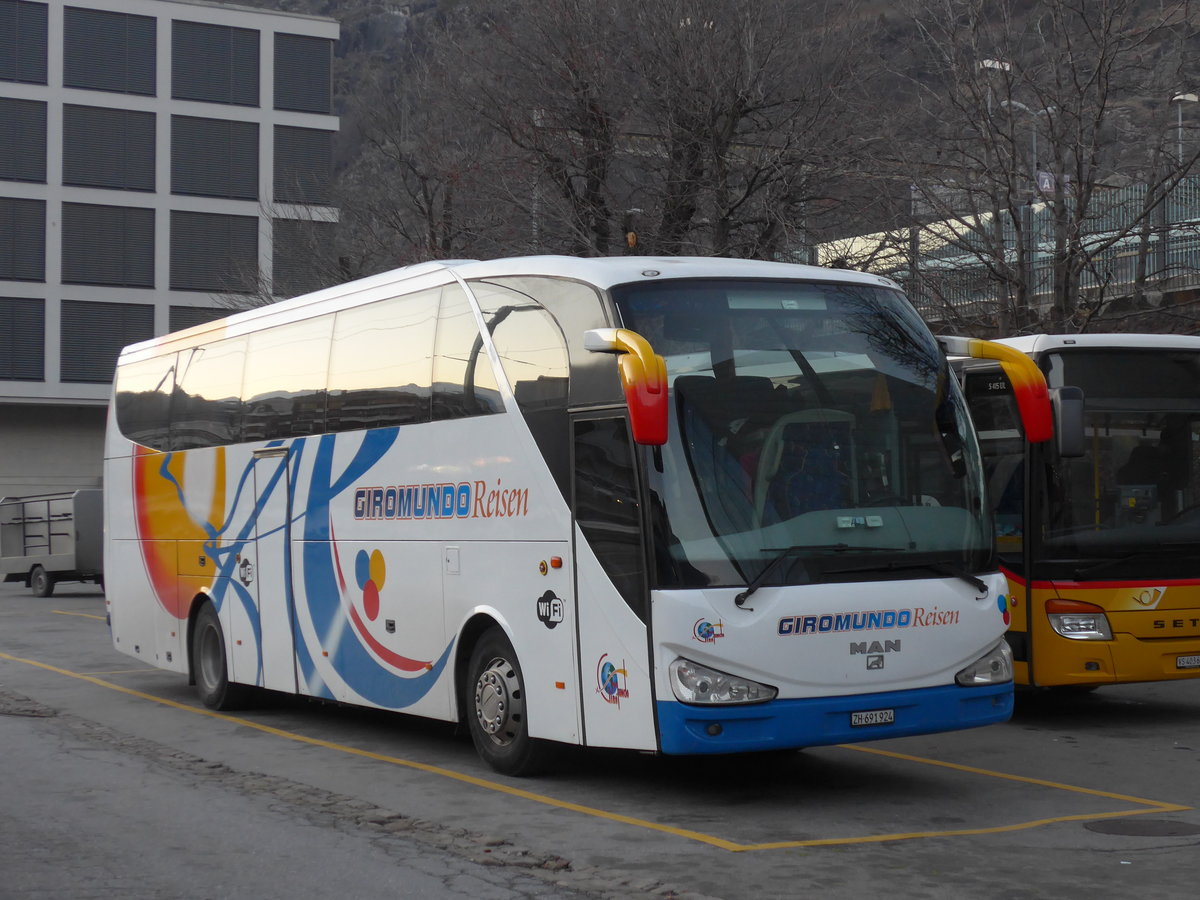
(675, 505)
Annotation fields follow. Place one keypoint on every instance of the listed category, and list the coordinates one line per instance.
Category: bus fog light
(694, 683)
(994, 667)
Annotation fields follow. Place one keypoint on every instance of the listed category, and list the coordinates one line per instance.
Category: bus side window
(463, 382)
(144, 401)
(206, 410)
(533, 355)
(284, 388)
(381, 365)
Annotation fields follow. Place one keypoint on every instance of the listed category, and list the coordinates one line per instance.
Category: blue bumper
(781, 724)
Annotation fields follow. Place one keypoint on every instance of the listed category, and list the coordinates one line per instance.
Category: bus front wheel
(496, 710)
(209, 663)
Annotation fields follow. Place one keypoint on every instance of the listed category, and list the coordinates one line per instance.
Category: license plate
(1187, 662)
(872, 717)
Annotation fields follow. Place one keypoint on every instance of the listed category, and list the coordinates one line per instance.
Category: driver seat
(807, 462)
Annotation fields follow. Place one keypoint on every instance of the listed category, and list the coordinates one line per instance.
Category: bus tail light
(1078, 621)
(694, 683)
(994, 667)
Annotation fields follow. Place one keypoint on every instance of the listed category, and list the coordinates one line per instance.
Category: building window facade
(213, 252)
(23, 41)
(107, 245)
(214, 63)
(22, 239)
(214, 158)
(22, 140)
(93, 335)
(108, 51)
(108, 148)
(22, 338)
(297, 247)
(303, 73)
(303, 158)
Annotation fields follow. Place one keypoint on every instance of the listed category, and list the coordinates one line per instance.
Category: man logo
(865, 647)
(874, 662)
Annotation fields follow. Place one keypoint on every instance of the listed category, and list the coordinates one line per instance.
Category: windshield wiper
(939, 568)
(755, 583)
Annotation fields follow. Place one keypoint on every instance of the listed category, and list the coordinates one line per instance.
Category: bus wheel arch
(492, 700)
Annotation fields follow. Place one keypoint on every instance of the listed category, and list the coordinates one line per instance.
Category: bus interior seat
(807, 463)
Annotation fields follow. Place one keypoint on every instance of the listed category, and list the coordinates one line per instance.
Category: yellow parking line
(63, 612)
(1151, 806)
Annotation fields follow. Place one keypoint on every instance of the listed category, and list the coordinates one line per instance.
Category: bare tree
(1035, 120)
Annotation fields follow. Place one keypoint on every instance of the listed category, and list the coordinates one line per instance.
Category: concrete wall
(50, 448)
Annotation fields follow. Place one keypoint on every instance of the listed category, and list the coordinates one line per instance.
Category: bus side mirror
(643, 379)
(1028, 382)
(1067, 403)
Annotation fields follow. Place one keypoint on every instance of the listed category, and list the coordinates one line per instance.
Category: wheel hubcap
(498, 704)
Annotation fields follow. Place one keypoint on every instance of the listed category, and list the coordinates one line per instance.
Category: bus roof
(1037, 344)
(600, 272)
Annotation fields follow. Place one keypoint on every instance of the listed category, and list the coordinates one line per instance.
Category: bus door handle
(270, 452)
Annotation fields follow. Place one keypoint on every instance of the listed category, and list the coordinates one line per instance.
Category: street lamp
(1035, 114)
(1181, 98)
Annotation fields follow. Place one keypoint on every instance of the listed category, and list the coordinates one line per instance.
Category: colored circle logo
(370, 572)
(1002, 602)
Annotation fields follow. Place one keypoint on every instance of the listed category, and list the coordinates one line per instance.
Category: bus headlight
(1078, 621)
(694, 683)
(994, 667)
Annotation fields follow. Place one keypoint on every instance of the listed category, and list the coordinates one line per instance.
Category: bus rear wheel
(209, 664)
(496, 709)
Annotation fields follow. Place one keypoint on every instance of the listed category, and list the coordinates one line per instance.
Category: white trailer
(48, 538)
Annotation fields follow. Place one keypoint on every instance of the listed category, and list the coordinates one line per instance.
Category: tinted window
(606, 504)
(144, 401)
(208, 406)
(381, 363)
(284, 387)
(530, 344)
(463, 383)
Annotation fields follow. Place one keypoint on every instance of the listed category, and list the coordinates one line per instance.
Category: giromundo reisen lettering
(464, 500)
(870, 620)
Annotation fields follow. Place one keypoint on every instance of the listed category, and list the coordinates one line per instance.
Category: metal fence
(950, 282)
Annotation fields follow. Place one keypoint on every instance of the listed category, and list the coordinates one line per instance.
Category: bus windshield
(1135, 491)
(816, 435)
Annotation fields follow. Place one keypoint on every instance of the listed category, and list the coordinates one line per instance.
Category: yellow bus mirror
(1028, 382)
(643, 379)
